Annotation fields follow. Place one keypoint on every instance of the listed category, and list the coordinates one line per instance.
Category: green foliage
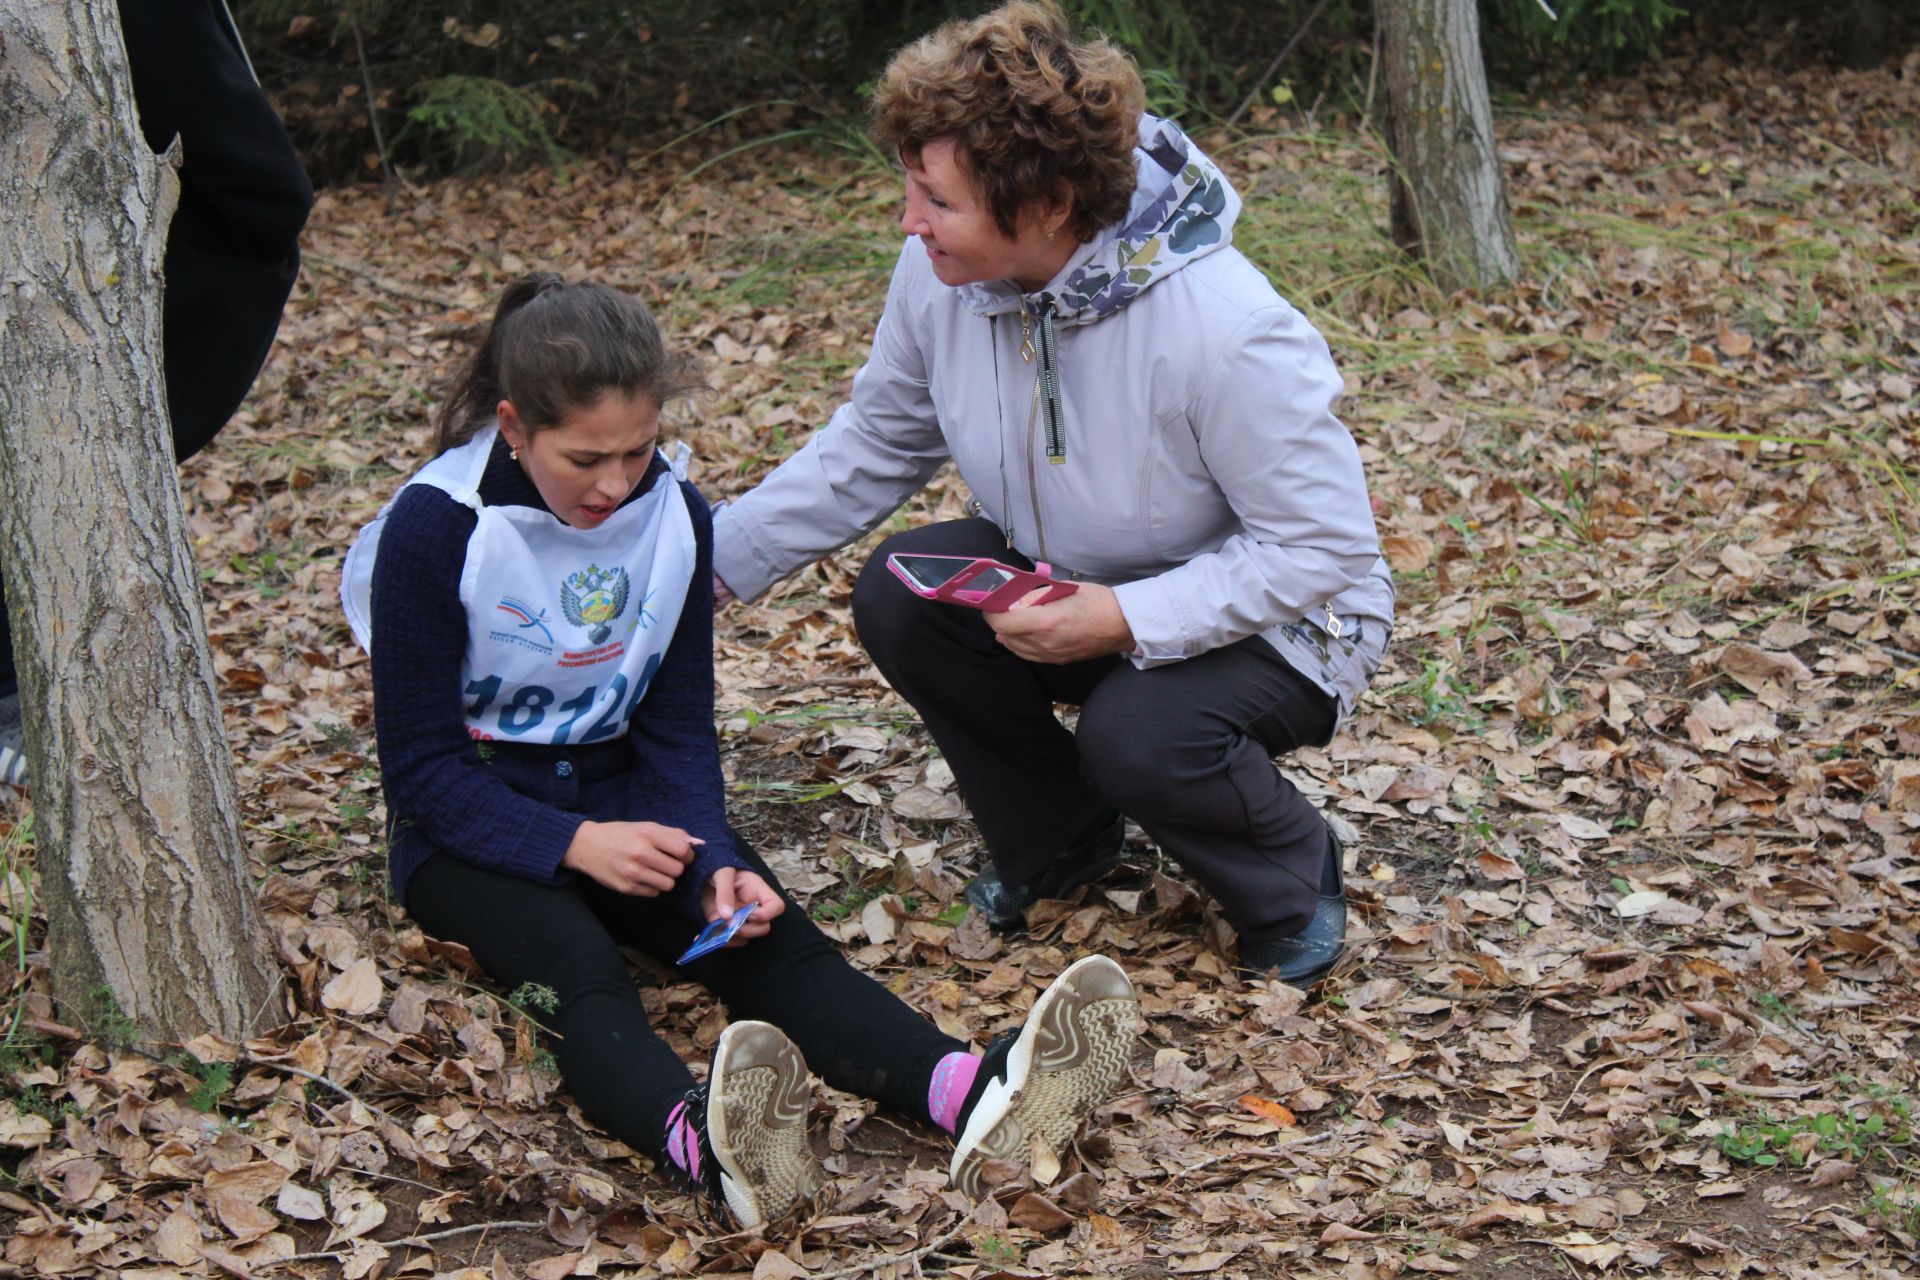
(19, 907)
(1840, 1134)
(1437, 700)
(1876, 1125)
(850, 903)
(493, 82)
(1179, 69)
(33, 1101)
(1587, 33)
(212, 1080)
(1897, 1206)
(110, 1024)
(534, 995)
(487, 123)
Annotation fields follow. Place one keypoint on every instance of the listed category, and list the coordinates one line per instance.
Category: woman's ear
(510, 425)
(1057, 213)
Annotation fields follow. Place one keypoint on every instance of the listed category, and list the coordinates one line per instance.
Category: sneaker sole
(1068, 1060)
(757, 1123)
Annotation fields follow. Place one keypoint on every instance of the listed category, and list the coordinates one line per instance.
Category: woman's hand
(729, 889)
(722, 593)
(640, 858)
(1086, 624)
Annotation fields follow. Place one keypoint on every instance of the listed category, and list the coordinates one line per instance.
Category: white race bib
(565, 627)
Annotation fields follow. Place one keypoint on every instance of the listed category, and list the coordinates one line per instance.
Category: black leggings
(854, 1033)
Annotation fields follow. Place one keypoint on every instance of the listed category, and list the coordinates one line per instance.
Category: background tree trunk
(1449, 201)
(149, 904)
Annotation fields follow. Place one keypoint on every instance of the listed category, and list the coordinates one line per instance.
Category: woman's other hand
(640, 858)
(722, 593)
(729, 889)
(1086, 624)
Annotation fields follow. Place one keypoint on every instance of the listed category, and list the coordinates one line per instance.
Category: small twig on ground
(911, 1258)
(1274, 66)
(410, 1242)
(384, 286)
(1575, 1091)
(373, 113)
(334, 1085)
(1373, 73)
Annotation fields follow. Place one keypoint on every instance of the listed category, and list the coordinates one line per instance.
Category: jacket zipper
(1033, 420)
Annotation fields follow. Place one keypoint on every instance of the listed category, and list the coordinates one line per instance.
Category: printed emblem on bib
(526, 618)
(593, 598)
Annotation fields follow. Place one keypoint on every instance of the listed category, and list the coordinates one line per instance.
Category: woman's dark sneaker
(751, 1121)
(1042, 1081)
(1306, 955)
(1005, 906)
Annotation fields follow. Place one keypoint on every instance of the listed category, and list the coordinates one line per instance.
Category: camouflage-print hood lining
(1189, 212)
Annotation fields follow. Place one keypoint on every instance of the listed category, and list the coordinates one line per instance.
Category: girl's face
(586, 464)
(963, 242)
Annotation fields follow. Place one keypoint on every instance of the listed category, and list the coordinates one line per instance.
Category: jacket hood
(1183, 209)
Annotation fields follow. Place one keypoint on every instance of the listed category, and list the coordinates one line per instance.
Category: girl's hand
(722, 594)
(640, 858)
(729, 889)
(1087, 624)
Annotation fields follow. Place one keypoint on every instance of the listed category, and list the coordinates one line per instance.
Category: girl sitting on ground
(537, 603)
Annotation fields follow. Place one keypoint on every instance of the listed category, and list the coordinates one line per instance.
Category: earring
(514, 454)
(1050, 233)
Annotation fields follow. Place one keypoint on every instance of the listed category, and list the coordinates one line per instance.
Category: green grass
(1432, 698)
(14, 871)
(1876, 1126)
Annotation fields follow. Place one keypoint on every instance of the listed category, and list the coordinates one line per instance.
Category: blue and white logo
(525, 614)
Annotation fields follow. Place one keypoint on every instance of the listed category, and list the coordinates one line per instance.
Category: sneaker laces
(710, 1198)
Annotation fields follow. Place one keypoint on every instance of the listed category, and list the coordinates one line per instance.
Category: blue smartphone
(718, 933)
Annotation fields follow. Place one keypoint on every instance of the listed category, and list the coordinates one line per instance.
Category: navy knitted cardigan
(441, 795)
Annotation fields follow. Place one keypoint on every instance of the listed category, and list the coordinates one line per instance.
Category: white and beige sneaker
(1037, 1085)
(751, 1116)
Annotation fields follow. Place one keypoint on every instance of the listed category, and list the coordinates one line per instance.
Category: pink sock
(952, 1078)
(683, 1145)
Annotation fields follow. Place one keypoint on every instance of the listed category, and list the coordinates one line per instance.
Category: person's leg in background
(1186, 750)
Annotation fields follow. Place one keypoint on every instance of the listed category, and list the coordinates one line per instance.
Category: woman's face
(963, 242)
(586, 464)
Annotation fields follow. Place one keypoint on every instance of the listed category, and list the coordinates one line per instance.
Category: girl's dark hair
(554, 347)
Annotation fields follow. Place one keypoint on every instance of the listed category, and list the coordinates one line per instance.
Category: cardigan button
(564, 769)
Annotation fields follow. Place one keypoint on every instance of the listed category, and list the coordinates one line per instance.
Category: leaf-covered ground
(1632, 808)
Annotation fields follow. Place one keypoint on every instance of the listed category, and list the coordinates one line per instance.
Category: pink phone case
(998, 599)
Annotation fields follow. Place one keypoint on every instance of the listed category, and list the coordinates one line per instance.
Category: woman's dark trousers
(1185, 750)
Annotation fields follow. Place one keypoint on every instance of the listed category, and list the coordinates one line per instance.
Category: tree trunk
(150, 909)
(1449, 201)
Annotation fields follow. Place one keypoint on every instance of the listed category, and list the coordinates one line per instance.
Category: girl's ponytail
(476, 385)
(554, 347)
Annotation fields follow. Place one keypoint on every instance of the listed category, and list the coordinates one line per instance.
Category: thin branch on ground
(410, 1242)
(382, 285)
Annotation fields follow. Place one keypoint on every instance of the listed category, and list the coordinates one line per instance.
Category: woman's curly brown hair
(1035, 115)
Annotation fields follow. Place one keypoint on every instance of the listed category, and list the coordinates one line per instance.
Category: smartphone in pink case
(976, 582)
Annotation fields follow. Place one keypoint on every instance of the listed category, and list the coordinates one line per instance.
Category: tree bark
(150, 908)
(1449, 202)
